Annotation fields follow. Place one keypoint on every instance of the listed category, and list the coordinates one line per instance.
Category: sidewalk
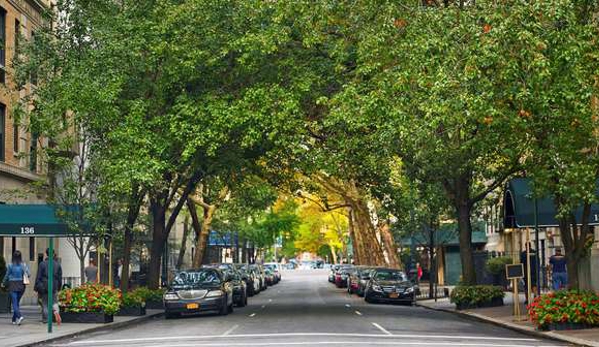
(502, 316)
(32, 331)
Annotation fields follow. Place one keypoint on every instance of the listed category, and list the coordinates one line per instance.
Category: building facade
(20, 163)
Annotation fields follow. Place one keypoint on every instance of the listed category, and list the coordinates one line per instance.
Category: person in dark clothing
(41, 286)
(532, 261)
(559, 272)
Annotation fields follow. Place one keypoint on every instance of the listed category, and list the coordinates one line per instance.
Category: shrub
(133, 299)
(91, 298)
(496, 266)
(475, 295)
(153, 295)
(565, 306)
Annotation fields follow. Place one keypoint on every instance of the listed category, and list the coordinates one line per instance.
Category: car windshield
(190, 278)
(390, 276)
(365, 273)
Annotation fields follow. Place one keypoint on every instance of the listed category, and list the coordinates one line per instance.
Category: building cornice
(31, 8)
(18, 173)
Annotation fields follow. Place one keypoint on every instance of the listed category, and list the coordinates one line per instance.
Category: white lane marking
(378, 326)
(202, 337)
(358, 313)
(231, 330)
(269, 300)
(378, 343)
(263, 306)
(252, 315)
(347, 305)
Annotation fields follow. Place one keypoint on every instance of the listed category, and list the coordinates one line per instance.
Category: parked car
(358, 280)
(342, 274)
(250, 277)
(269, 275)
(390, 285)
(195, 291)
(240, 297)
(276, 268)
(259, 270)
(333, 271)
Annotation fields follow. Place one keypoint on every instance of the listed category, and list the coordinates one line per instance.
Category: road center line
(231, 330)
(358, 313)
(385, 331)
(252, 315)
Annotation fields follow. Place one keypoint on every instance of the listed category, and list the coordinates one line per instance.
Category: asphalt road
(305, 310)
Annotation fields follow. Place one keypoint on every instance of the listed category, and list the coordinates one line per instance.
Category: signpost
(515, 272)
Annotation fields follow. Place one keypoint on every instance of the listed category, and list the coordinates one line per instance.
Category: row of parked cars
(375, 284)
(218, 287)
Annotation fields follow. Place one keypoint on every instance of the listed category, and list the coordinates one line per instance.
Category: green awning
(447, 235)
(31, 220)
(519, 208)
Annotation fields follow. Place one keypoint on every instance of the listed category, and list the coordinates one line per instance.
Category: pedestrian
(418, 271)
(91, 272)
(16, 278)
(532, 261)
(119, 273)
(41, 286)
(559, 270)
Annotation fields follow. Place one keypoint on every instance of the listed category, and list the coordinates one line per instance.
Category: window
(2, 131)
(33, 153)
(17, 35)
(15, 136)
(2, 45)
(33, 77)
(32, 249)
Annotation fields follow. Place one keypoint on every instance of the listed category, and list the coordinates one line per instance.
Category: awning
(519, 207)
(31, 220)
(447, 235)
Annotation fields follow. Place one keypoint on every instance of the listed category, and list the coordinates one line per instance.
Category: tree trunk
(158, 212)
(202, 231)
(371, 251)
(333, 254)
(183, 248)
(353, 237)
(133, 213)
(466, 254)
(82, 269)
(390, 246)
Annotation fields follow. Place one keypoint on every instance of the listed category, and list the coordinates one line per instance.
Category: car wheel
(224, 310)
(368, 299)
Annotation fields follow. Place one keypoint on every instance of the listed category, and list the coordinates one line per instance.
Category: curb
(106, 327)
(535, 333)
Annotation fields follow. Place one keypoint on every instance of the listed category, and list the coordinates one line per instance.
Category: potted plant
(479, 296)
(565, 310)
(133, 305)
(90, 303)
(152, 297)
(4, 296)
(496, 267)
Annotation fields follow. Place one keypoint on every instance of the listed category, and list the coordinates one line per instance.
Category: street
(304, 309)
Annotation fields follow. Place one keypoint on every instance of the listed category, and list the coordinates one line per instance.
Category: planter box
(4, 303)
(155, 305)
(86, 317)
(493, 303)
(566, 326)
(132, 311)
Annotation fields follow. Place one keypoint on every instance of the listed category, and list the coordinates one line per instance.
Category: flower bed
(468, 297)
(90, 303)
(565, 310)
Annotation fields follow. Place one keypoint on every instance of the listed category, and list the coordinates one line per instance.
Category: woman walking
(16, 278)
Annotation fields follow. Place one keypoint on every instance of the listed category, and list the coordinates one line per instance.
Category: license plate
(394, 295)
(193, 306)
